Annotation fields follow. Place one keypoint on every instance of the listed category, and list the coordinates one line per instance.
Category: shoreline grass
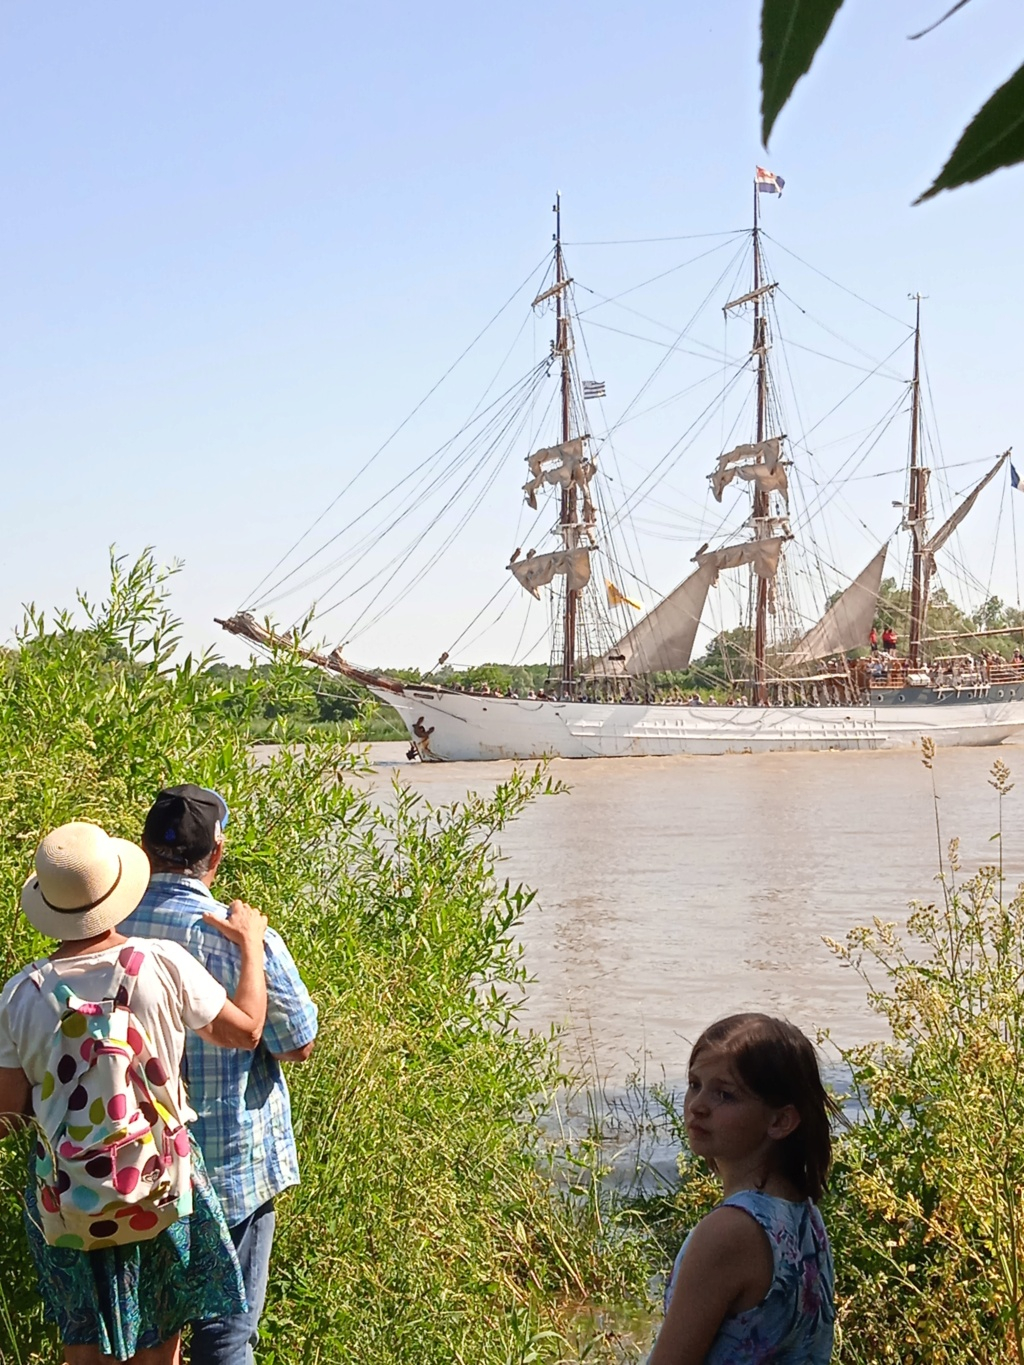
(446, 1215)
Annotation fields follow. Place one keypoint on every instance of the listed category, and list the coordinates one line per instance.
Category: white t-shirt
(174, 992)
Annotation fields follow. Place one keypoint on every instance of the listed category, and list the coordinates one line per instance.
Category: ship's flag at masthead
(768, 182)
(1015, 480)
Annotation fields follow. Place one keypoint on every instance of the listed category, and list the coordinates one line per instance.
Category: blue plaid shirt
(245, 1119)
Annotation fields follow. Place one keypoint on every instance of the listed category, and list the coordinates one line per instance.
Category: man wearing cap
(244, 1127)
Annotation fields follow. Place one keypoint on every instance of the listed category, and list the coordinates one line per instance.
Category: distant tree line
(337, 703)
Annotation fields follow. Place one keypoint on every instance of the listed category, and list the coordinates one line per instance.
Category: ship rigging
(799, 687)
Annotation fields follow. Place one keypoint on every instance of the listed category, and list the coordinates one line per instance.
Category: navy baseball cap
(184, 824)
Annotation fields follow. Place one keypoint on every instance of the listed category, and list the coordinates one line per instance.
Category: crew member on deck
(889, 640)
(873, 640)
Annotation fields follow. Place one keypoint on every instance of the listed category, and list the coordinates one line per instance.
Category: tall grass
(430, 1226)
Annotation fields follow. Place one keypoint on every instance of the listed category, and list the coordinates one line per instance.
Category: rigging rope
(510, 399)
(643, 241)
(404, 423)
(853, 295)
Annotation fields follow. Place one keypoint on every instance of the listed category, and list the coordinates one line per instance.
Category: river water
(671, 891)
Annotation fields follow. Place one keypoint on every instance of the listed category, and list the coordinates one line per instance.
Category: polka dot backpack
(112, 1160)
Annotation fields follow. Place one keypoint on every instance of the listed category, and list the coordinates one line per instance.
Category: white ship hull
(457, 727)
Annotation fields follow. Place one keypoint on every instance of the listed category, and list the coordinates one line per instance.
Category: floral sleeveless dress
(793, 1324)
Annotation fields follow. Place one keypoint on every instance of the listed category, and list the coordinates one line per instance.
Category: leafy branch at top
(792, 31)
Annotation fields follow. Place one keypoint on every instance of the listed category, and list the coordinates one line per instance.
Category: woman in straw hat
(124, 1302)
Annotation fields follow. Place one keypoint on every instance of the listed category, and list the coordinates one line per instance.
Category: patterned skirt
(126, 1298)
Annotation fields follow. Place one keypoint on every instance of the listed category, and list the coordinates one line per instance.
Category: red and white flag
(768, 182)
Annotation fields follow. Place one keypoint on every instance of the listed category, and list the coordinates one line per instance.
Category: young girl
(753, 1281)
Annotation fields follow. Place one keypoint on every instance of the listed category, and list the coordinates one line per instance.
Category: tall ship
(828, 683)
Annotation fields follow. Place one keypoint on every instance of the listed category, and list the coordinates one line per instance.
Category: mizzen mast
(917, 507)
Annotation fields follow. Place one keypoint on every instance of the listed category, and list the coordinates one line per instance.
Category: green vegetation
(329, 705)
(927, 1207)
(438, 1221)
(335, 705)
(792, 31)
(944, 618)
(430, 1226)
(926, 1203)
(322, 704)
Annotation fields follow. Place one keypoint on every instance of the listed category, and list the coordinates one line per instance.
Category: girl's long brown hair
(777, 1063)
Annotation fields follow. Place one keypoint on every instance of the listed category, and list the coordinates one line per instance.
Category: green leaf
(791, 33)
(994, 138)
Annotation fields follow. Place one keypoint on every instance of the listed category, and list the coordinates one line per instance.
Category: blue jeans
(230, 1341)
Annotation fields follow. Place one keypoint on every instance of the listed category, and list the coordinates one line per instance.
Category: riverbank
(445, 1213)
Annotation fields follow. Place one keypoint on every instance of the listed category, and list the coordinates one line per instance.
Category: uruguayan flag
(593, 388)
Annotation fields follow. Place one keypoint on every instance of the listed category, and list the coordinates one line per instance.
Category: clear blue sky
(241, 241)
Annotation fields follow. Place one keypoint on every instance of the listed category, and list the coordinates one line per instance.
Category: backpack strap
(122, 987)
(39, 973)
(129, 965)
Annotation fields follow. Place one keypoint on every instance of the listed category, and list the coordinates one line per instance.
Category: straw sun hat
(85, 882)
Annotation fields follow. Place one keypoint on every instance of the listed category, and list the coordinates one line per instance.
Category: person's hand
(244, 925)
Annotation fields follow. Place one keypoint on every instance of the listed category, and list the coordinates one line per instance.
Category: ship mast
(569, 520)
(761, 500)
(917, 508)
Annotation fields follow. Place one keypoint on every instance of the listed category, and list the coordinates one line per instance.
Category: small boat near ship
(801, 689)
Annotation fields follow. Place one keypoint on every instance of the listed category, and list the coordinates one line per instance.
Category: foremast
(567, 467)
(568, 511)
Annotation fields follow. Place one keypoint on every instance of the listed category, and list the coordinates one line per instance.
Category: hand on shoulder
(243, 924)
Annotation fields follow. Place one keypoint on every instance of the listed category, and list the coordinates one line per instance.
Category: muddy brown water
(671, 891)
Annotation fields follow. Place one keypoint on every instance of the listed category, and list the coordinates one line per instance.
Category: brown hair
(777, 1063)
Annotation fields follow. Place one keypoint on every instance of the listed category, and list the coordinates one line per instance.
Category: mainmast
(917, 509)
(569, 518)
(761, 498)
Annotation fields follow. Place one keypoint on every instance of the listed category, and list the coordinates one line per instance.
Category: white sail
(949, 526)
(769, 478)
(663, 640)
(536, 570)
(755, 450)
(768, 472)
(847, 622)
(567, 466)
(762, 554)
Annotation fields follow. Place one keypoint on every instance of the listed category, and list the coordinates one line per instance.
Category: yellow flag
(617, 598)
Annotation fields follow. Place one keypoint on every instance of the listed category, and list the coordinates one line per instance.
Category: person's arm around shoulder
(240, 1022)
(727, 1267)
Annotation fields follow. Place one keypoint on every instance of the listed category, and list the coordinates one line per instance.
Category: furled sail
(663, 640)
(766, 453)
(847, 622)
(536, 570)
(947, 528)
(756, 450)
(762, 554)
(769, 478)
(566, 465)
